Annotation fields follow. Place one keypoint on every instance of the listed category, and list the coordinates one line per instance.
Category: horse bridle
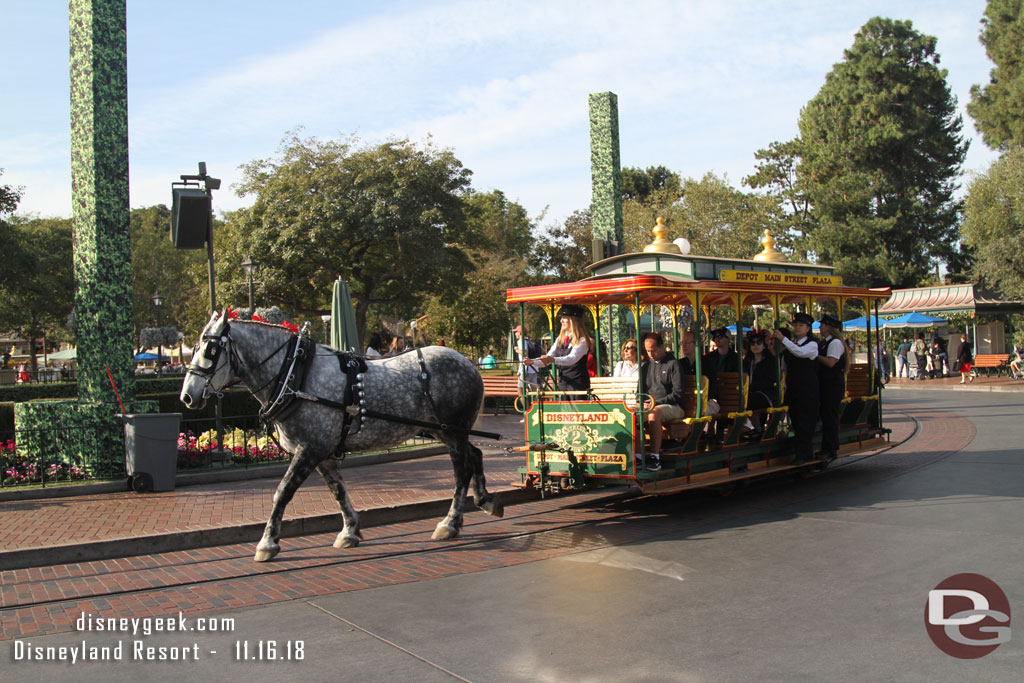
(215, 346)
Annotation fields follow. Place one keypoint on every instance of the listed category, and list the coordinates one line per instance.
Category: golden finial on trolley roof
(661, 244)
(769, 253)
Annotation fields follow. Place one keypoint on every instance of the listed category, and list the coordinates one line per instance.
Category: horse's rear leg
(451, 525)
(349, 536)
(301, 466)
(487, 502)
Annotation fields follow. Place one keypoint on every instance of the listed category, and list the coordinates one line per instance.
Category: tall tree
(716, 218)
(993, 226)
(37, 295)
(178, 274)
(776, 174)
(562, 254)
(881, 155)
(9, 198)
(388, 218)
(998, 107)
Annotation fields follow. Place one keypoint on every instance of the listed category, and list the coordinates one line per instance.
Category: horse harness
(289, 385)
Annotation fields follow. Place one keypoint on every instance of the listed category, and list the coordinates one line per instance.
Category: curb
(1006, 388)
(215, 477)
(242, 533)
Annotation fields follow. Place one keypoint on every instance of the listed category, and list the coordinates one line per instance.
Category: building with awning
(963, 298)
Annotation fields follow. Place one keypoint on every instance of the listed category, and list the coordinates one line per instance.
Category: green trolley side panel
(601, 435)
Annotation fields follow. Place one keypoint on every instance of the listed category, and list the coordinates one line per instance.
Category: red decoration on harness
(291, 327)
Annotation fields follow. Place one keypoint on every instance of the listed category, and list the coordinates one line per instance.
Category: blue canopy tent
(861, 324)
(150, 356)
(732, 328)
(914, 319)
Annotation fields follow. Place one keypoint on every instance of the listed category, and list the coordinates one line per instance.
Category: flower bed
(245, 448)
(17, 469)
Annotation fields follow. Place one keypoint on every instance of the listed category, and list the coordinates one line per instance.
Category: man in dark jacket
(663, 382)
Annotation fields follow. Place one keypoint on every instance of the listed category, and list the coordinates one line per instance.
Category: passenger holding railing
(833, 361)
(801, 385)
(569, 352)
(663, 382)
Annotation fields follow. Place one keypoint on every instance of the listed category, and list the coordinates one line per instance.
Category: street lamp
(327, 328)
(158, 303)
(249, 266)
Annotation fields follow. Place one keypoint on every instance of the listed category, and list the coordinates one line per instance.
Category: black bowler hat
(803, 318)
(720, 332)
(571, 310)
(832, 321)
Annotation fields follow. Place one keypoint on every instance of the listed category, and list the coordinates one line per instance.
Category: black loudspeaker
(190, 217)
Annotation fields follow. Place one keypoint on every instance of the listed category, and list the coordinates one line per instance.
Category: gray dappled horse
(312, 432)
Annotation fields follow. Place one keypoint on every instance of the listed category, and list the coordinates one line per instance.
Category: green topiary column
(606, 198)
(87, 433)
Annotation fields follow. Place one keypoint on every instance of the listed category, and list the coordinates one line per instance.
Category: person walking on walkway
(921, 354)
(964, 358)
(902, 364)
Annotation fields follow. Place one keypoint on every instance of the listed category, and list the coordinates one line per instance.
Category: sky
(701, 85)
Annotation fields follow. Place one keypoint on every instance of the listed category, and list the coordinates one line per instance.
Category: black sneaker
(653, 463)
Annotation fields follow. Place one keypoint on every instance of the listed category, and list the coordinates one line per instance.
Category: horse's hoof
(343, 541)
(266, 552)
(494, 507)
(443, 532)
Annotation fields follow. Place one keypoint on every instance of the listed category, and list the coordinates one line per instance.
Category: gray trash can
(151, 450)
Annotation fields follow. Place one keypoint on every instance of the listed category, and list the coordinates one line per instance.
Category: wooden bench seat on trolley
(991, 361)
(856, 405)
(500, 387)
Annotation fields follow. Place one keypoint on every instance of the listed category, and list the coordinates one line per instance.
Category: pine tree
(998, 108)
(880, 158)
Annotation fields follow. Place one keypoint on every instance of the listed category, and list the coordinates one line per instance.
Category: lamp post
(249, 266)
(158, 303)
(327, 329)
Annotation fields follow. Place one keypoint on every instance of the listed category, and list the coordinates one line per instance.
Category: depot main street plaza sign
(600, 435)
(759, 277)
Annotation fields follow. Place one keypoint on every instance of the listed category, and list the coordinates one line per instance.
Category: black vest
(801, 372)
(833, 375)
(572, 377)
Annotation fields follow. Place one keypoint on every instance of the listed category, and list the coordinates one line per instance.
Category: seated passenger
(663, 381)
(723, 358)
(629, 366)
(759, 367)
(688, 366)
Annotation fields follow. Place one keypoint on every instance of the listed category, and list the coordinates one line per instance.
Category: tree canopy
(388, 218)
(993, 226)
(998, 106)
(881, 154)
(36, 295)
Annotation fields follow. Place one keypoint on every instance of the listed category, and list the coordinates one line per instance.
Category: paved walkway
(62, 528)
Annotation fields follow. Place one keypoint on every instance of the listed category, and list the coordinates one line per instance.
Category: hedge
(18, 393)
(235, 403)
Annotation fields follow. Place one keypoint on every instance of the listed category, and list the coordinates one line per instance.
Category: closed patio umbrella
(344, 336)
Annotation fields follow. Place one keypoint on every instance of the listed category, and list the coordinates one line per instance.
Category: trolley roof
(753, 288)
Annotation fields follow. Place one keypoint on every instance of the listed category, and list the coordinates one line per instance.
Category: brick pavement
(109, 516)
(47, 599)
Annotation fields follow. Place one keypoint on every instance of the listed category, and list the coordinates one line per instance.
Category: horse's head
(210, 370)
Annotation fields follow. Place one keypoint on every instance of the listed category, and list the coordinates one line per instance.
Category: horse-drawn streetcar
(597, 436)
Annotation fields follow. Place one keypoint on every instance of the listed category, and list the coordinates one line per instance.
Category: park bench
(500, 388)
(991, 361)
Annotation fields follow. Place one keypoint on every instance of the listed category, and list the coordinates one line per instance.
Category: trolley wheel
(128, 482)
(142, 482)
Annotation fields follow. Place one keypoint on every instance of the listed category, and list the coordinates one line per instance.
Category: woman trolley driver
(569, 352)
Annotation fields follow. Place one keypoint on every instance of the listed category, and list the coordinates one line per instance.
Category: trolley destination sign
(761, 277)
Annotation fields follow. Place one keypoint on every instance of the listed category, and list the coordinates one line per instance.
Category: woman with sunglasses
(629, 366)
(759, 366)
